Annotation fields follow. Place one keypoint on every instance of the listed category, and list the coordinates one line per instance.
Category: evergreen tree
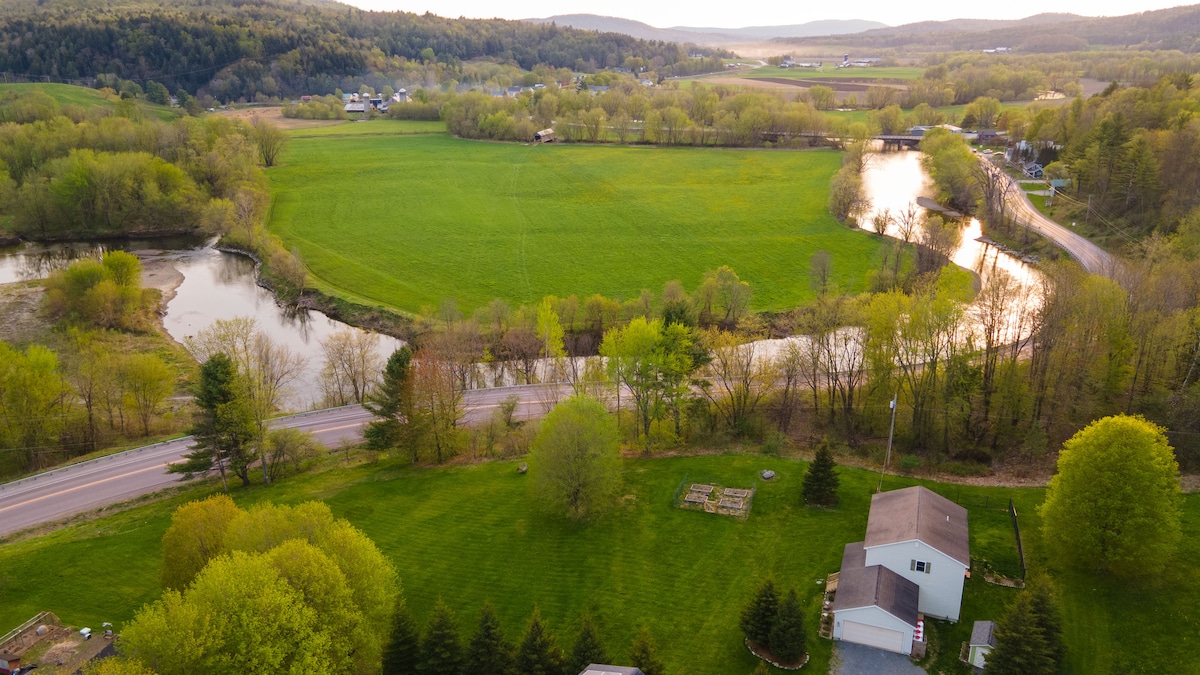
(224, 429)
(821, 481)
(403, 652)
(441, 648)
(588, 648)
(759, 616)
(644, 654)
(388, 403)
(537, 654)
(488, 651)
(787, 634)
(1049, 619)
(1021, 646)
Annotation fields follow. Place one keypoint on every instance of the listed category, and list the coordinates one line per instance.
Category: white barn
(917, 546)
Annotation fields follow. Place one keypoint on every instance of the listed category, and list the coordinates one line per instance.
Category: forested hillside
(243, 48)
(1175, 28)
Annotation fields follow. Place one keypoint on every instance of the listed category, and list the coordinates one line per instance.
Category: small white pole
(888, 458)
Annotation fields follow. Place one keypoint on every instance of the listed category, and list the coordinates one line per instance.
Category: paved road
(62, 493)
(1093, 258)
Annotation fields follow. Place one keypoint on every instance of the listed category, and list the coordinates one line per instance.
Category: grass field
(409, 220)
(829, 72)
(382, 127)
(67, 94)
(468, 533)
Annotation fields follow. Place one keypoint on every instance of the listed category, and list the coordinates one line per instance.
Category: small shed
(600, 669)
(9, 662)
(983, 640)
(355, 107)
(544, 136)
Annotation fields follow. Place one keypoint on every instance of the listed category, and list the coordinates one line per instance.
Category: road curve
(1093, 258)
(64, 492)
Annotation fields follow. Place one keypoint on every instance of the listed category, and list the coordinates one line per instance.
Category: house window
(920, 566)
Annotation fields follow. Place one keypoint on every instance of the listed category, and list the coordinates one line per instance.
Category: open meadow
(470, 533)
(67, 94)
(385, 214)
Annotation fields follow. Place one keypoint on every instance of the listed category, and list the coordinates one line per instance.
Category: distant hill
(824, 27)
(1176, 28)
(241, 49)
(973, 25)
(707, 36)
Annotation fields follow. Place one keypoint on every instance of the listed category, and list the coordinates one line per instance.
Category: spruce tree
(1021, 647)
(441, 648)
(538, 654)
(403, 652)
(644, 654)
(588, 648)
(787, 634)
(759, 615)
(488, 651)
(821, 481)
(1046, 612)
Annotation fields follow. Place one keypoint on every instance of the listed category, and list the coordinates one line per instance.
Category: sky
(727, 14)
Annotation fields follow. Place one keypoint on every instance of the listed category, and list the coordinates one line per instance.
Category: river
(204, 284)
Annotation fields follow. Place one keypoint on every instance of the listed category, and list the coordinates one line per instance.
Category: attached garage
(874, 606)
(874, 636)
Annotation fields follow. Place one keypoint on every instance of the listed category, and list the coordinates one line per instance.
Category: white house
(913, 563)
(922, 536)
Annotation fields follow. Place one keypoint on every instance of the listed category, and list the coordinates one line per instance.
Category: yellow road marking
(85, 485)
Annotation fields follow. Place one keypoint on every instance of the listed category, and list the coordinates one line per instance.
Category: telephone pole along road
(1093, 258)
(78, 488)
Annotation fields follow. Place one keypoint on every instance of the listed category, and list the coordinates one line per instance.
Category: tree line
(93, 392)
(242, 50)
(627, 112)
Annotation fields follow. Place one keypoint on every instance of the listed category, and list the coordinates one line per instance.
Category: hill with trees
(1175, 28)
(706, 36)
(247, 49)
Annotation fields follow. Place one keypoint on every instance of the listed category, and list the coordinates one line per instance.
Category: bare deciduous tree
(352, 366)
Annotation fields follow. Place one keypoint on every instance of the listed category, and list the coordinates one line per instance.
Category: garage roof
(876, 586)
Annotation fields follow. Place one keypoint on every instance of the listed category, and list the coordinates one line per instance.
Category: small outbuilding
(600, 669)
(983, 640)
(355, 107)
(544, 136)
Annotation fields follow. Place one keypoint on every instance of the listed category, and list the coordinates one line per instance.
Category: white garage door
(873, 636)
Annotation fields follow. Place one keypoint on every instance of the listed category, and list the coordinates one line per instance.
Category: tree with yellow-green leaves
(1114, 505)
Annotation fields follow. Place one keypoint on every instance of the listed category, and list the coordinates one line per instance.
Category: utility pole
(892, 432)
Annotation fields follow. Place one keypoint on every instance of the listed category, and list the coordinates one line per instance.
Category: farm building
(355, 107)
(544, 136)
(983, 640)
(917, 542)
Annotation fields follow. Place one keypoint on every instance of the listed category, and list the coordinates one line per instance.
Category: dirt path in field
(275, 116)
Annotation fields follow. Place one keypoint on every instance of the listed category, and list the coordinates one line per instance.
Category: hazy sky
(729, 14)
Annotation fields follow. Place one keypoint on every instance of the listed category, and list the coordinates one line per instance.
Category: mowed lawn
(469, 533)
(410, 220)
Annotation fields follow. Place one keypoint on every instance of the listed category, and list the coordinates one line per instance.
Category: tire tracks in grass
(524, 223)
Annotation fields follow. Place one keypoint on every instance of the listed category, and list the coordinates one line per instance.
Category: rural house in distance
(913, 562)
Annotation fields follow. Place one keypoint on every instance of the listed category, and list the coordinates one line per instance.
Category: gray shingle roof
(982, 633)
(599, 669)
(919, 513)
(876, 585)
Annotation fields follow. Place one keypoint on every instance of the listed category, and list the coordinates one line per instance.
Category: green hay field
(67, 94)
(409, 220)
(469, 533)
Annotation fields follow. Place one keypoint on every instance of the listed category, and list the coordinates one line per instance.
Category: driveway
(852, 659)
